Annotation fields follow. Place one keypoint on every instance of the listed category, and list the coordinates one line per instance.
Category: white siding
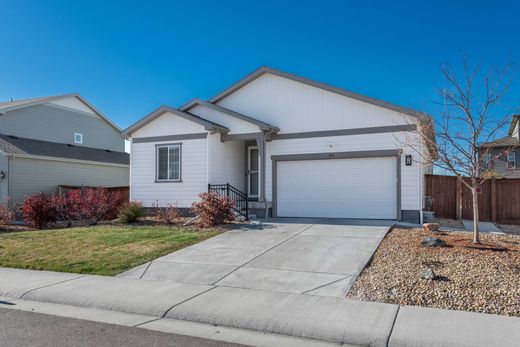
(226, 162)
(410, 175)
(169, 124)
(193, 173)
(236, 125)
(296, 107)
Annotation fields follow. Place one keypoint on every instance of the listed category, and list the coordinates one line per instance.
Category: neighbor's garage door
(337, 188)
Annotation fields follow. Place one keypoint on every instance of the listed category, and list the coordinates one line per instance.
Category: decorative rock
(427, 274)
(431, 226)
(428, 241)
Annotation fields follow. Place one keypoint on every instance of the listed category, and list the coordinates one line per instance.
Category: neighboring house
(59, 140)
(297, 147)
(502, 155)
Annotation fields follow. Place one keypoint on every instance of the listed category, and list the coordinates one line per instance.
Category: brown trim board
(336, 155)
(344, 132)
(181, 137)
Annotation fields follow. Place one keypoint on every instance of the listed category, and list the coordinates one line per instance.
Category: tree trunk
(476, 236)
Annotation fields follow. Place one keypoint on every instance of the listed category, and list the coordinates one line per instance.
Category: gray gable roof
(17, 104)
(208, 125)
(196, 102)
(19, 145)
(264, 70)
(507, 141)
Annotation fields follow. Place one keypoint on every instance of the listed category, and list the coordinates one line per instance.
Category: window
(511, 160)
(486, 161)
(78, 138)
(168, 159)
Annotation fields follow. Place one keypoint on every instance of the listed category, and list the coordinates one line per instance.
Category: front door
(253, 175)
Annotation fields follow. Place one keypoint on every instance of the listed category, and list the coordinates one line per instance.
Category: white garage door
(337, 188)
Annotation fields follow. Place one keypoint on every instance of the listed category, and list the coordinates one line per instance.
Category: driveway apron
(303, 256)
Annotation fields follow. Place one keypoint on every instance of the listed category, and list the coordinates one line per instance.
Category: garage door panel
(337, 188)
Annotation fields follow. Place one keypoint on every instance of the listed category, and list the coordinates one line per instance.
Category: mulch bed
(468, 279)
(11, 228)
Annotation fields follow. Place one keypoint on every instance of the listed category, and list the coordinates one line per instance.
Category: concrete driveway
(304, 256)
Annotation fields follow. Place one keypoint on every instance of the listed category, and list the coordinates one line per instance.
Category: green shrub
(130, 212)
(6, 214)
(169, 214)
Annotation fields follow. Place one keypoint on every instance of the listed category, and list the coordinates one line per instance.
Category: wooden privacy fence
(499, 200)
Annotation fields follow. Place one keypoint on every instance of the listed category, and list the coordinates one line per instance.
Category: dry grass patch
(469, 279)
(101, 249)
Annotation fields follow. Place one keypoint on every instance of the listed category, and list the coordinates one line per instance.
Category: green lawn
(101, 250)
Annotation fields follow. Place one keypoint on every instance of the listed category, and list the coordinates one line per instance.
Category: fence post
(458, 199)
(493, 200)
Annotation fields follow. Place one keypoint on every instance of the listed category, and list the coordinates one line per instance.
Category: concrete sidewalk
(485, 227)
(162, 304)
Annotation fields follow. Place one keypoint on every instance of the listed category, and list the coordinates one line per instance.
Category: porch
(248, 191)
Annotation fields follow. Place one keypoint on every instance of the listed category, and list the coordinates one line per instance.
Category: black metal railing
(238, 197)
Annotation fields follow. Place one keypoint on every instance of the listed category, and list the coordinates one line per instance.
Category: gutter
(67, 160)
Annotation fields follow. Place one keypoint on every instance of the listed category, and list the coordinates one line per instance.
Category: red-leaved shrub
(93, 204)
(6, 214)
(213, 209)
(39, 209)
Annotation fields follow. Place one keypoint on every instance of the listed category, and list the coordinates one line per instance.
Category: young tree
(471, 103)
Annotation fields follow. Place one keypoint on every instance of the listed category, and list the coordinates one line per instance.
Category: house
(59, 140)
(500, 155)
(295, 147)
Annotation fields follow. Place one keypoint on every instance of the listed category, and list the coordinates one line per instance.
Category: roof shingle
(20, 145)
(508, 141)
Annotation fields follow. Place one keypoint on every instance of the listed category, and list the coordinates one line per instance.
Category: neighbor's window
(78, 138)
(511, 160)
(169, 162)
(487, 161)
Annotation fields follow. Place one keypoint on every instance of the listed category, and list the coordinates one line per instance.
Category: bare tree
(468, 120)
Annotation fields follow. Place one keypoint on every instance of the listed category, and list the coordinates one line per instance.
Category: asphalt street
(20, 328)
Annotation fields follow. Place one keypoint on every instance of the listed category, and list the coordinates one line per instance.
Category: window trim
(162, 145)
(80, 135)
(514, 160)
(487, 161)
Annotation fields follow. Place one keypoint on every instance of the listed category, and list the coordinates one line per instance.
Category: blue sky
(129, 57)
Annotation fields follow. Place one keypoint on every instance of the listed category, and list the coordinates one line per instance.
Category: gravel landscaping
(449, 223)
(464, 279)
(510, 228)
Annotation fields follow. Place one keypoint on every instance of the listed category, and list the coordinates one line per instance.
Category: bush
(6, 214)
(130, 212)
(169, 214)
(213, 209)
(39, 209)
(93, 204)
